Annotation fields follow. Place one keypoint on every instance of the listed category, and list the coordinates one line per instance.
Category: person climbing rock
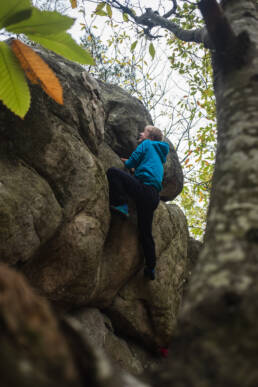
(147, 161)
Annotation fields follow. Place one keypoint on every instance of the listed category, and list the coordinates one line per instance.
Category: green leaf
(18, 17)
(10, 7)
(14, 90)
(99, 10)
(101, 13)
(109, 11)
(42, 23)
(100, 6)
(152, 50)
(125, 17)
(133, 45)
(64, 45)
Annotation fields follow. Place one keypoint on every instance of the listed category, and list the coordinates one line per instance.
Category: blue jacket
(148, 159)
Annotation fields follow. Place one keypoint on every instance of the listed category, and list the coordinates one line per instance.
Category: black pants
(146, 197)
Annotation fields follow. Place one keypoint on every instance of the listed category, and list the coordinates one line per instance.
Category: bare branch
(172, 11)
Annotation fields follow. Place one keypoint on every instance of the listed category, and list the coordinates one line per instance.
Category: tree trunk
(217, 339)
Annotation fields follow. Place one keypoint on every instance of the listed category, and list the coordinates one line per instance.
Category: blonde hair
(155, 134)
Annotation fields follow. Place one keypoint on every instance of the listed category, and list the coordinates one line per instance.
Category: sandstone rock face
(100, 332)
(53, 143)
(30, 213)
(173, 176)
(146, 310)
(126, 117)
(55, 223)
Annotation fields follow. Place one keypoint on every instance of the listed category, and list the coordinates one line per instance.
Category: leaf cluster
(17, 60)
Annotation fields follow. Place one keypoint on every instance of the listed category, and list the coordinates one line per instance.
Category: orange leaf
(37, 70)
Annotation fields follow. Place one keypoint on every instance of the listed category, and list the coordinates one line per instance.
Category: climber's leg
(146, 197)
(122, 185)
(145, 210)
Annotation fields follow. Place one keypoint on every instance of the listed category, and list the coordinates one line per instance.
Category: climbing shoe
(149, 273)
(122, 209)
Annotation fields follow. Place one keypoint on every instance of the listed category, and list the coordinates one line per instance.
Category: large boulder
(30, 213)
(54, 196)
(54, 192)
(126, 117)
(55, 224)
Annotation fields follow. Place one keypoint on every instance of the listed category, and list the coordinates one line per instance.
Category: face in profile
(145, 134)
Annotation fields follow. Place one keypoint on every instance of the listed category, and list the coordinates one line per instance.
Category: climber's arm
(135, 158)
(131, 169)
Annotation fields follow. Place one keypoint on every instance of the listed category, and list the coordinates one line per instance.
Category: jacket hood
(162, 148)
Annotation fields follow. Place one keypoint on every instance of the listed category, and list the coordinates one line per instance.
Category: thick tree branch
(151, 19)
(155, 20)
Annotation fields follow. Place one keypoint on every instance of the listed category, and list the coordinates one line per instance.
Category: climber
(147, 161)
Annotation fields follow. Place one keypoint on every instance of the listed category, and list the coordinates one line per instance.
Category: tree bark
(216, 343)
